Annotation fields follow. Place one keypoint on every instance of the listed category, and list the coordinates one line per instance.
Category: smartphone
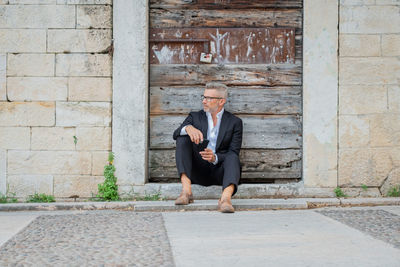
(203, 145)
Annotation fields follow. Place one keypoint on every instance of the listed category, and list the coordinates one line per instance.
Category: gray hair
(222, 88)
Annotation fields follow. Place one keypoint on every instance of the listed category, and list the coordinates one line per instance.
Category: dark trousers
(202, 172)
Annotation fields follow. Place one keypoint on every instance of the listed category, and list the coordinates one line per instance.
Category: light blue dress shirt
(212, 132)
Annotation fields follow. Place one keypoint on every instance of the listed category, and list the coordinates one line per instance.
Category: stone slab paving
(11, 223)
(317, 237)
(272, 238)
(378, 223)
(96, 238)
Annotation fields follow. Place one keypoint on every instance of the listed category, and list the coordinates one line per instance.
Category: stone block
(362, 99)
(93, 138)
(89, 89)
(53, 138)
(81, 185)
(78, 40)
(30, 65)
(32, 2)
(369, 192)
(99, 160)
(370, 70)
(27, 113)
(49, 162)
(379, 201)
(385, 130)
(364, 166)
(320, 64)
(388, 2)
(3, 171)
(3, 2)
(313, 192)
(15, 137)
(360, 192)
(25, 185)
(94, 17)
(369, 19)
(393, 180)
(359, 45)
(394, 98)
(395, 156)
(37, 16)
(321, 202)
(37, 88)
(246, 191)
(83, 65)
(356, 2)
(22, 41)
(239, 204)
(3, 64)
(83, 114)
(391, 45)
(85, 2)
(322, 178)
(353, 131)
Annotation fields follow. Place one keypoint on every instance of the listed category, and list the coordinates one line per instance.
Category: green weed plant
(134, 196)
(394, 191)
(364, 187)
(154, 197)
(109, 189)
(8, 199)
(339, 193)
(40, 198)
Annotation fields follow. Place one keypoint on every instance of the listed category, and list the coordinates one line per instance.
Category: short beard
(210, 110)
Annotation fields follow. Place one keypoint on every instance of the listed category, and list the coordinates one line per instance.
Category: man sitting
(218, 164)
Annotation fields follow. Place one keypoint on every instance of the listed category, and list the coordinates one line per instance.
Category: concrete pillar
(130, 91)
(320, 93)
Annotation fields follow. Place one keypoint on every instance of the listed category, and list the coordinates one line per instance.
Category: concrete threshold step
(208, 204)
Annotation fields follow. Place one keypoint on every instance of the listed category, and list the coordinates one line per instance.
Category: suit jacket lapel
(222, 129)
(204, 124)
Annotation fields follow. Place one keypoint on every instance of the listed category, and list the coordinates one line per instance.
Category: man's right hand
(195, 135)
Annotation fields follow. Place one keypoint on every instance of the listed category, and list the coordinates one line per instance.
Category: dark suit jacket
(229, 138)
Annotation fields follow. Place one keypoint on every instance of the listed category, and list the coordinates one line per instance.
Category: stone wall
(55, 83)
(369, 94)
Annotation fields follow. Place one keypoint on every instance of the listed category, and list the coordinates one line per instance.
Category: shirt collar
(219, 114)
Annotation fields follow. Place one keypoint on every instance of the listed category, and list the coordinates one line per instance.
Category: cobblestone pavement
(380, 224)
(106, 238)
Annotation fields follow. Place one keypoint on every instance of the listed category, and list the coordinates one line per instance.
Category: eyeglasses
(209, 98)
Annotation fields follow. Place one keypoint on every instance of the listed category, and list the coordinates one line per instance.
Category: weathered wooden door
(256, 49)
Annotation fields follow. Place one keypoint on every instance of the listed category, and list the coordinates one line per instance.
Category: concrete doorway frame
(130, 121)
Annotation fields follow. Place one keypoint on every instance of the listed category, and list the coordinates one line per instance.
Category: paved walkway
(333, 236)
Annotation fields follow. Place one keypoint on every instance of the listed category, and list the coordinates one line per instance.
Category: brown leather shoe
(225, 206)
(184, 199)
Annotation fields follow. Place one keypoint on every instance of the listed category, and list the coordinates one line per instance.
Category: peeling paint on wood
(227, 45)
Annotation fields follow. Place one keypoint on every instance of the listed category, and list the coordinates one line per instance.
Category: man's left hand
(208, 155)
